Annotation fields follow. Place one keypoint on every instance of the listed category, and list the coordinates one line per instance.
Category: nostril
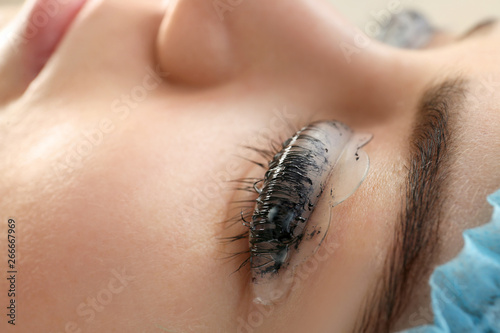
(194, 44)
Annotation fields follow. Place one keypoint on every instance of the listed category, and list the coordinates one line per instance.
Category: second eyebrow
(483, 26)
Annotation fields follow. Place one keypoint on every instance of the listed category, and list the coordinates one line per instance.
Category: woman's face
(119, 148)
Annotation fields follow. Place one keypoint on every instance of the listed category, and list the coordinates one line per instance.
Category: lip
(42, 29)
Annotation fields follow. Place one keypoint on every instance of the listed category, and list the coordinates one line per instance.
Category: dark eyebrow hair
(482, 26)
(416, 233)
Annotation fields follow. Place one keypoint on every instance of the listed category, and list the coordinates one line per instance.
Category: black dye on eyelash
(277, 225)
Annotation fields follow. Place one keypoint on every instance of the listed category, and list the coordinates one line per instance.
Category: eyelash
(247, 208)
(285, 192)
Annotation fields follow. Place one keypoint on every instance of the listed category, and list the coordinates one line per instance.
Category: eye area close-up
(249, 166)
(280, 233)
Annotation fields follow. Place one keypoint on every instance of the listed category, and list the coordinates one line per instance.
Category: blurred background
(453, 15)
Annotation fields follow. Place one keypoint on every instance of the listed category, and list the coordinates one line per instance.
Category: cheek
(112, 250)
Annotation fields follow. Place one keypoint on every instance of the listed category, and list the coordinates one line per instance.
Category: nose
(304, 46)
(194, 43)
(204, 42)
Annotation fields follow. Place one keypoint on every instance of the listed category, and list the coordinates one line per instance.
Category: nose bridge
(202, 42)
(305, 43)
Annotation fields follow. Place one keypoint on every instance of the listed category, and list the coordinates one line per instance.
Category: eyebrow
(416, 234)
(481, 27)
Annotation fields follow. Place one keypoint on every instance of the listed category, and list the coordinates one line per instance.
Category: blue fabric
(408, 29)
(466, 291)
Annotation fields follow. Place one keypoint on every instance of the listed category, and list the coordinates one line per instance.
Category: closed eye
(324, 157)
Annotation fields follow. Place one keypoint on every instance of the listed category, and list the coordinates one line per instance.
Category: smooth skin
(116, 159)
